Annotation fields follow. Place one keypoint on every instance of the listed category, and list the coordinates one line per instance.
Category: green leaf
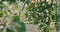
(36, 21)
(40, 26)
(2, 0)
(1, 14)
(18, 28)
(53, 17)
(16, 19)
(22, 0)
(22, 28)
(8, 30)
(16, 7)
(1, 5)
(11, 1)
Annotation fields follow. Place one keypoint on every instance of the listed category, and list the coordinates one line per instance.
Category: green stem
(23, 7)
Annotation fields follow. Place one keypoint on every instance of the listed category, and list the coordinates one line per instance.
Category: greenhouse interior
(29, 15)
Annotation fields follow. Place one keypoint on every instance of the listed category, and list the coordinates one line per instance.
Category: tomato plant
(41, 12)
